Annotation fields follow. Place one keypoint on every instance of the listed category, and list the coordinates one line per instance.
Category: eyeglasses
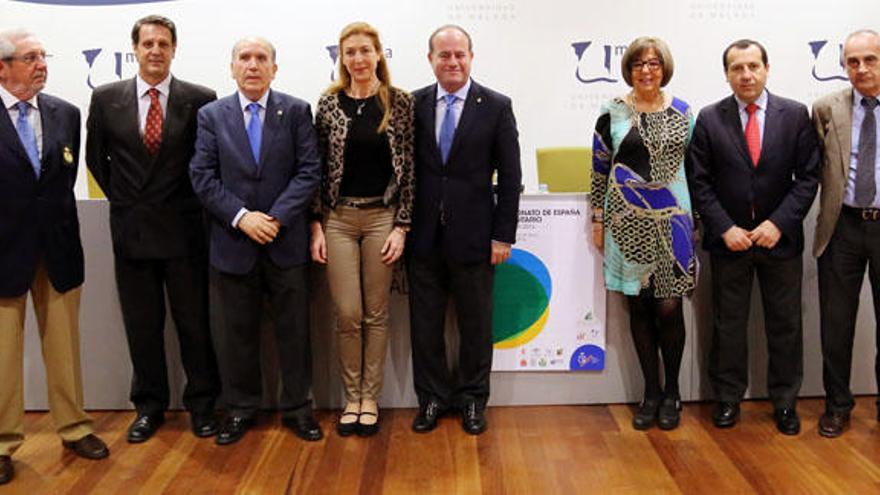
(31, 58)
(652, 64)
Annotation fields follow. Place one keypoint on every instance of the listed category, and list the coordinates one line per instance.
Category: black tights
(657, 325)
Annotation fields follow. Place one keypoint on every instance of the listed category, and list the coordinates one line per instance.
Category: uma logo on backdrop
(827, 64)
(109, 66)
(597, 63)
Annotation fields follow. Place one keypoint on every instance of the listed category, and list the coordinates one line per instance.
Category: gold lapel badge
(68, 155)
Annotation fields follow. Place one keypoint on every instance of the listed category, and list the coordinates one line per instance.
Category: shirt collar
(461, 94)
(9, 101)
(761, 102)
(858, 97)
(244, 101)
(163, 87)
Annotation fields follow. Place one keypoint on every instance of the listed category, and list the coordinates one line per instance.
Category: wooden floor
(527, 450)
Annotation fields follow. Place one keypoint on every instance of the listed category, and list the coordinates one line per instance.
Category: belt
(361, 203)
(866, 214)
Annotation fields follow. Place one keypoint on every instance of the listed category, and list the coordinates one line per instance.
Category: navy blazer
(486, 141)
(153, 210)
(39, 220)
(729, 190)
(226, 178)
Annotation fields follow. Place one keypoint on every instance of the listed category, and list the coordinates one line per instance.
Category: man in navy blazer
(40, 249)
(461, 228)
(753, 168)
(255, 169)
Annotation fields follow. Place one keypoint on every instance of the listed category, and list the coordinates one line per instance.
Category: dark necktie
(255, 130)
(27, 135)
(153, 127)
(447, 128)
(753, 133)
(865, 185)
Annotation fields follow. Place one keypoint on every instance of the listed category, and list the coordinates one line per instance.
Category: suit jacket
(728, 189)
(153, 210)
(226, 178)
(333, 125)
(39, 220)
(832, 117)
(485, 141)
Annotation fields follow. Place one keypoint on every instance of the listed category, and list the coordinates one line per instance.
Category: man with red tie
(753, 170)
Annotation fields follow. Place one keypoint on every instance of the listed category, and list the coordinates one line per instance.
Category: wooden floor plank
(527, 450)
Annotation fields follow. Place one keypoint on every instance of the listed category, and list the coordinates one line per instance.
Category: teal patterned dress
(639, 180)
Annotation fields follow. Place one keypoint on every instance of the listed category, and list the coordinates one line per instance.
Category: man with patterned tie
(256, 169)
(141, 134)
(41, 250)
(848, 226)
(752, 166)
(461, 229)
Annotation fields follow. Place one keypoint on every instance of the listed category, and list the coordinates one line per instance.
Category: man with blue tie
(753, 168)
(848, 226)
(41, 249)
(461, 229)
(255, 169)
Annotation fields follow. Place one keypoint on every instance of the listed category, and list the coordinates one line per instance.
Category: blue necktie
(255, 130)
(27, 135)
(447, 128)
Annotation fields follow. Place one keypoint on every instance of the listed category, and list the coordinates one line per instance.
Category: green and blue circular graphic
(521, 299)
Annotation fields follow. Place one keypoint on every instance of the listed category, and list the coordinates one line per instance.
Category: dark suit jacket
(226, 178)
(729, 190)
(486, 140)
(153, 210)
(38, 219)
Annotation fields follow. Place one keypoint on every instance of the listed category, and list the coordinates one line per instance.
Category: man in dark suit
(848, 226)
(465, 132)
(141, 134)
(41, 251)
(752, 166)
(256, 169)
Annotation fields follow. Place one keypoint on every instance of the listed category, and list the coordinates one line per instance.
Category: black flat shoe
(669, 414)
(368, 429)
(646, 414)
(347, 429)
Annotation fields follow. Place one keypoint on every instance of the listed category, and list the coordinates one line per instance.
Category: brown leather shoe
(89, 447)
(7, 471)
(833, 424)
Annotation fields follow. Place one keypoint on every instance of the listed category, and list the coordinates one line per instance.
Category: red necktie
(753, 134)
(153, 128)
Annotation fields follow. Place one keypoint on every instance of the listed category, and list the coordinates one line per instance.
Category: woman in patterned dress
(642, 219)
(363, 212)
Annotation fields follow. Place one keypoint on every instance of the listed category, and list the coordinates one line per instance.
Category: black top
(367, 161)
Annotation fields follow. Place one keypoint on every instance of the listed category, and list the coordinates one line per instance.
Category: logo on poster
(333, 53)
(596, 64)
(108, 69)
(827, 61)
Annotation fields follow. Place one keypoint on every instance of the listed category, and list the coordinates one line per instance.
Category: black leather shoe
(144, 427)
(88, 447)
(669, 414)
(787, 421)
(646, 414)
(426, 419)
(7, 471)
(368, 429)
(203, 425)
(347, 429)
(305, 427)
(473, 419)
(233, 428)
(833, 424)
(726, 414)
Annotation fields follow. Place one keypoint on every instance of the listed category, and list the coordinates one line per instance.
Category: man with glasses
(848, 227)
(41, 250)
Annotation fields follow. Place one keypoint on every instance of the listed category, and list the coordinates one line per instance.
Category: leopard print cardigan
(332, 125)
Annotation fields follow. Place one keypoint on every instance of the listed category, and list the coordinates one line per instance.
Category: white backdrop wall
(528, 49)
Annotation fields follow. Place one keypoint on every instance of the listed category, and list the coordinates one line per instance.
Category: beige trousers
(58, 320)
(360, 285)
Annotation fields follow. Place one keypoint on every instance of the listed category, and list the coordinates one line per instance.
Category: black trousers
(237, 337)
(780, 284)
(854, 245)
(142, 285)
(432, 281)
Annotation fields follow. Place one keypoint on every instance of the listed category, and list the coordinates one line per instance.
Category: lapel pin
(280, 112)
(479, 99)
(67, 155)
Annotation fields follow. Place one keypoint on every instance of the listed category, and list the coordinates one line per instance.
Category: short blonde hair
(635, 50)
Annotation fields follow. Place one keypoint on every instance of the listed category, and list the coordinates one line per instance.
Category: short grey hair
(860, 32)
(257, 39)
(8, 38)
